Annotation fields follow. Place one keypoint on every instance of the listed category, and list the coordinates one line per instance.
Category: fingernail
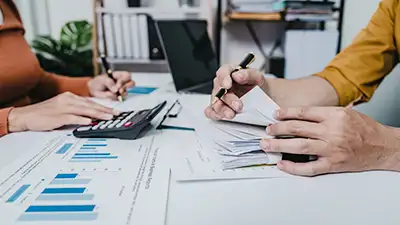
(236, 105)
(108, 116)
(265, 145)
(276, 114)
(116, 112)
(228, 114)
(268, 130)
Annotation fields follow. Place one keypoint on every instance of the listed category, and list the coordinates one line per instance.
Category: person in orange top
(343, 139)
(32, 99)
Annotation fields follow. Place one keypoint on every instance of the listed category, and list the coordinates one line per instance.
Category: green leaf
(77, 35)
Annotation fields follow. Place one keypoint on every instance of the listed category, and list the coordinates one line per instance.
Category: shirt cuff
(4, 121)
(348, 93)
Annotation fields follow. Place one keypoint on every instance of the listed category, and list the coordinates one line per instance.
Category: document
(98, 181)
(221, 150)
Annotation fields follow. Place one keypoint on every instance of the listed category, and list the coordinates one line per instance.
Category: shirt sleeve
(357, 71)
(4, 121)
(51, 85)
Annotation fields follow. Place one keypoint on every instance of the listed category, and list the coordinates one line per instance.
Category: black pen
(109, 72)
(243, 65)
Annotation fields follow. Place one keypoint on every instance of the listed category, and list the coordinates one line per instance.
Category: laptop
(190, 55)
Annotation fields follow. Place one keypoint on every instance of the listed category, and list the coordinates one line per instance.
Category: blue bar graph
(97, 139)
(58, 217)
(63, 190)
(62, 197)
(92, 154)
(60, 208)
(64, 148)
(18, 193)
(87, 148)
(94, 145)
(70, 181)
(94, 157)
(66, 176)
(84, 161)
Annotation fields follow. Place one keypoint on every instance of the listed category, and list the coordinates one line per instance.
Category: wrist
(392, 149)
(16, 122)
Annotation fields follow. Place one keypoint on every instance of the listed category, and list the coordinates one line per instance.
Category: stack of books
(309, 10)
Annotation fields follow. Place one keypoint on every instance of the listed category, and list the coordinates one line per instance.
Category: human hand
(343, 139)
(245, 80)
(104, 87)
(64, 109)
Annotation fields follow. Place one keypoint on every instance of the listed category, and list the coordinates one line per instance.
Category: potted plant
(72, 55)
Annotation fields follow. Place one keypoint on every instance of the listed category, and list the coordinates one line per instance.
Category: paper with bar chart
(86, 181)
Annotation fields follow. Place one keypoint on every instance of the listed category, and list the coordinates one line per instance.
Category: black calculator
(128, 125)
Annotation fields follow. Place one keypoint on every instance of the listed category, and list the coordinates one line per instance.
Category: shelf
(151, 10)
(254, 16)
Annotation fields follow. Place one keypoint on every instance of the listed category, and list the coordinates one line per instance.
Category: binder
(126, 29)
(119, 40)
(109, 34)
(155, 47)
(133, 3)
(135, 36)
(143, 37)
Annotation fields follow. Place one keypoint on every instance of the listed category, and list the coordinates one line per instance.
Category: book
(109, 35)
(135, 42)
(119, 40)
(143, 37)
(126, 29)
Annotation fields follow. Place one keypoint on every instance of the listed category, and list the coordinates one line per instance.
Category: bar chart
(93, 150)
(65, 199)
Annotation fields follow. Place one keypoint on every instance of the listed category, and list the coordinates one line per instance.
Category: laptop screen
(189, 52)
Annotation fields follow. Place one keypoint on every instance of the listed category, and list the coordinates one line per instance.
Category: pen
(243, 65)
(110, 74)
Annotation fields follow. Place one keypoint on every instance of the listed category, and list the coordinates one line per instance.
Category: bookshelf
(102, 45)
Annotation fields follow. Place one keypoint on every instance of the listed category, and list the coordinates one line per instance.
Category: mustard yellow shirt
(357, 71)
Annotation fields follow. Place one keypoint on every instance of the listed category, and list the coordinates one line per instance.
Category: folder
(109, 34)
(143, 37)
(126, 30)
(155, 47)
(119, 40)
(135, 36)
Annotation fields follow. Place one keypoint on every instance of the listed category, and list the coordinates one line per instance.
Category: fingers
(77, 105)
(124, 80)
(233, 102)
(210, 113)
(304, 169)
(248, 76)
(297, 128)
(106, 94)
(109, 83)
(295, 146)
(315, 114)
(76, 120)
(224, 76)
(223, 110)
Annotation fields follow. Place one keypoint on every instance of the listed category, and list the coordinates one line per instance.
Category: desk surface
(359, 198)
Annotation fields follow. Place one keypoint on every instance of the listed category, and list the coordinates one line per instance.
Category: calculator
(129, 125)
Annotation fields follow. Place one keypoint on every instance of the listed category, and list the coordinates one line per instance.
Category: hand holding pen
(112, 85)
(230, 84)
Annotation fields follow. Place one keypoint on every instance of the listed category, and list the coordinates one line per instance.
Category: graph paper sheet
(85, 181)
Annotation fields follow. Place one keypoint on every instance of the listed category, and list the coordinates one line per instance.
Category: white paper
(122, 189)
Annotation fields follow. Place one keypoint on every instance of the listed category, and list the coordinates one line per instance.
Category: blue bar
(60, 208)
(87, 151)
(63, 190)
(141, 90)
(94, 157)
(69, 135)
(18, 193)
(29, 217)
(70, 181)
(92, 154)
(88, 147)
(94, 145)
(97, 139)
(64, 148)
(166, 127)
(83, 160)
(77, 197)
(66, 176)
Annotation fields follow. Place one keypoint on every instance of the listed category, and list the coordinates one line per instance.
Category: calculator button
(128, 124)
(106, 124)
(98, 125)
(113, 124)
(84, 128)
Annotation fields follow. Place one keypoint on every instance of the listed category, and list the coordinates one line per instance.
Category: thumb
(248, 76)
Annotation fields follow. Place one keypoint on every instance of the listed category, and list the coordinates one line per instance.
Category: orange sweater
(22, 81)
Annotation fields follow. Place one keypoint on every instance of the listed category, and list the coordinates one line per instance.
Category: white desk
(364, 198)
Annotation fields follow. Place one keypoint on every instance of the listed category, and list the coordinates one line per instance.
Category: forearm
(391, 145)
(308, 91)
